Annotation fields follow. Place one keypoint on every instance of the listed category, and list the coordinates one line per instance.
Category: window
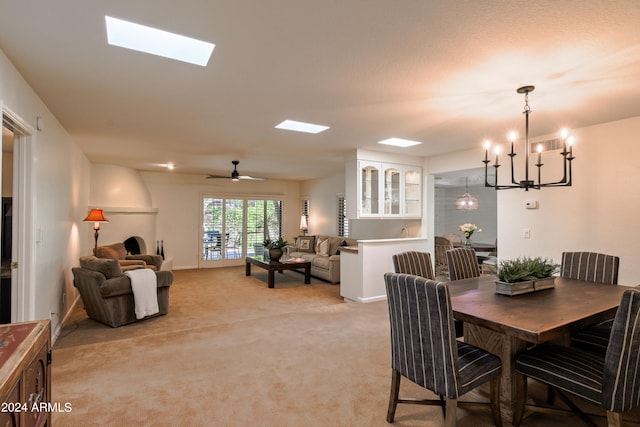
(234, 228)
(342, 221)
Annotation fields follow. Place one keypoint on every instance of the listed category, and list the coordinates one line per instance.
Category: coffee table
(271, 266)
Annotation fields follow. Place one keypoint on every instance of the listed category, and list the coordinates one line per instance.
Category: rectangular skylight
(399, 142)
(157, 42)
(301, 126)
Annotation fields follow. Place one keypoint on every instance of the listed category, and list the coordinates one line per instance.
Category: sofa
(118, 252)
(324, 254)
(106, 291)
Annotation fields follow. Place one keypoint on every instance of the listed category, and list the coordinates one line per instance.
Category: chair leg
(450, 413)
(393, 395)
(495, 401)
(614, 419)
(521, 397)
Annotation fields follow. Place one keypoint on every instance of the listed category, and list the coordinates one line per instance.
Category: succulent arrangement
(525, 269)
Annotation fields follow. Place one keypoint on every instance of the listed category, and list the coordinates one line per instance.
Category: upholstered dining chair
(592, 267)
(419, 264)
(610, 381)
(414, 262)
(424, 348)
(462, 263)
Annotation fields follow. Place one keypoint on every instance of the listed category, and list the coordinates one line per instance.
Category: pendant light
(467, 201)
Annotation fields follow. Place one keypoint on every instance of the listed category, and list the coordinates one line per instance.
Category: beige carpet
(232, 352)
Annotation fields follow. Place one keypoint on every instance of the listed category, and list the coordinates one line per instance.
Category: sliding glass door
(235, 227)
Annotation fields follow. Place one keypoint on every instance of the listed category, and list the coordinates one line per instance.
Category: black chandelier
(528, 183)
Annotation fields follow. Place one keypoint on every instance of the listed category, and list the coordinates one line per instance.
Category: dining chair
(455, 239)
(592, 267)
(419, 264)
(610, 381)
(441, 246)
(414, 262)
(424, 348)
(462, 263)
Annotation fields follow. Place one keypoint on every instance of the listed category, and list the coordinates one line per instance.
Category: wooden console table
(25, 377)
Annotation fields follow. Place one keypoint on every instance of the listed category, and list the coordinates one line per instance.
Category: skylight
(157, 42)
(301, 126)
(399, 142)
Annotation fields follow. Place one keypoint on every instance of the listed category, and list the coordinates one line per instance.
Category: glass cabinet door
(369, 190)
(391, 191)
(412, 196)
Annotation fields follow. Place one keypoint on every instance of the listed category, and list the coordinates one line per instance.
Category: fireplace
(135, 245)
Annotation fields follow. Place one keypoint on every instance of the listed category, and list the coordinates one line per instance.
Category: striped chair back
(423, 340)
(414, 262)
(463, 263)
(620, 391)
(590, 266)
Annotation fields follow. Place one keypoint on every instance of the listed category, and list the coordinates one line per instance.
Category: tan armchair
(128, 262)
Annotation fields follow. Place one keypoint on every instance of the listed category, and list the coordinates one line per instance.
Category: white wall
(126, 201)
(322, 194)
(598, 213)
(177, 198)
(60, 188)
(447, 218)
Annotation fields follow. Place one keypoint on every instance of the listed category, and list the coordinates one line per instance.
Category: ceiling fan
(235, 175)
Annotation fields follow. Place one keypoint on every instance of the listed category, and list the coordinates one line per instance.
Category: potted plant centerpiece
(275, 248)
(524, 275)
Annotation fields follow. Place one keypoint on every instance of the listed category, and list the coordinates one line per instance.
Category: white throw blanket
(145, 295)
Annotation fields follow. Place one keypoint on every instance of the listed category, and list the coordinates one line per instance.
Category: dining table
(507, 325)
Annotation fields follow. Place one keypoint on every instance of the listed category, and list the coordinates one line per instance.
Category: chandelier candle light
(527, 183)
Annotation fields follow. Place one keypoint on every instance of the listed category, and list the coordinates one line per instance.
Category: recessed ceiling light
(301, 126)
(157, 42)
(399, 142)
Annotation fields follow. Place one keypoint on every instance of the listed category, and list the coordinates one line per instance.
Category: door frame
(23, 211)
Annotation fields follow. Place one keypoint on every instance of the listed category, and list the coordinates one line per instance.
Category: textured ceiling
(444, 73)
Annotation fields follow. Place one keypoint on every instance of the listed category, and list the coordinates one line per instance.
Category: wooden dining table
(506, 325)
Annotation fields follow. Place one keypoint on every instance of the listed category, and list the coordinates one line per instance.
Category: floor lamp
(96, 216)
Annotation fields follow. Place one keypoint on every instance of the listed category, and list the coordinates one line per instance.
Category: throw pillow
(322, 247)
(109, 267)
(306, 243)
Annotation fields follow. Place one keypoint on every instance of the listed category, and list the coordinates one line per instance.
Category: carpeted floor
(232, 352)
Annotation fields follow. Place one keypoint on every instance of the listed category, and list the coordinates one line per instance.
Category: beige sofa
(324, 254)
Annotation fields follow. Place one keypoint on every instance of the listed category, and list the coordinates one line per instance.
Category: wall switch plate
(526, 233)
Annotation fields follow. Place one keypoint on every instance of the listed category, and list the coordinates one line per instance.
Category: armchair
(118, 252)
(107, 294)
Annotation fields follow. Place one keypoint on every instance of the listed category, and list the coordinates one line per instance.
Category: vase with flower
(468, 230)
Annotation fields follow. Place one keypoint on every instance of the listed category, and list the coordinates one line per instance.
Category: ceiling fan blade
(251, 178)
(218, 177)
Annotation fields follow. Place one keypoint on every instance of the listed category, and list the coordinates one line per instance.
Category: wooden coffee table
(273, 266)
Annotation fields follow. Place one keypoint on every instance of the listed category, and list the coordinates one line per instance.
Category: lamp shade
(303, 223)
(96, 215)
(467, 202)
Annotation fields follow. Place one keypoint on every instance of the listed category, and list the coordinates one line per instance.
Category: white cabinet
(389, 190)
